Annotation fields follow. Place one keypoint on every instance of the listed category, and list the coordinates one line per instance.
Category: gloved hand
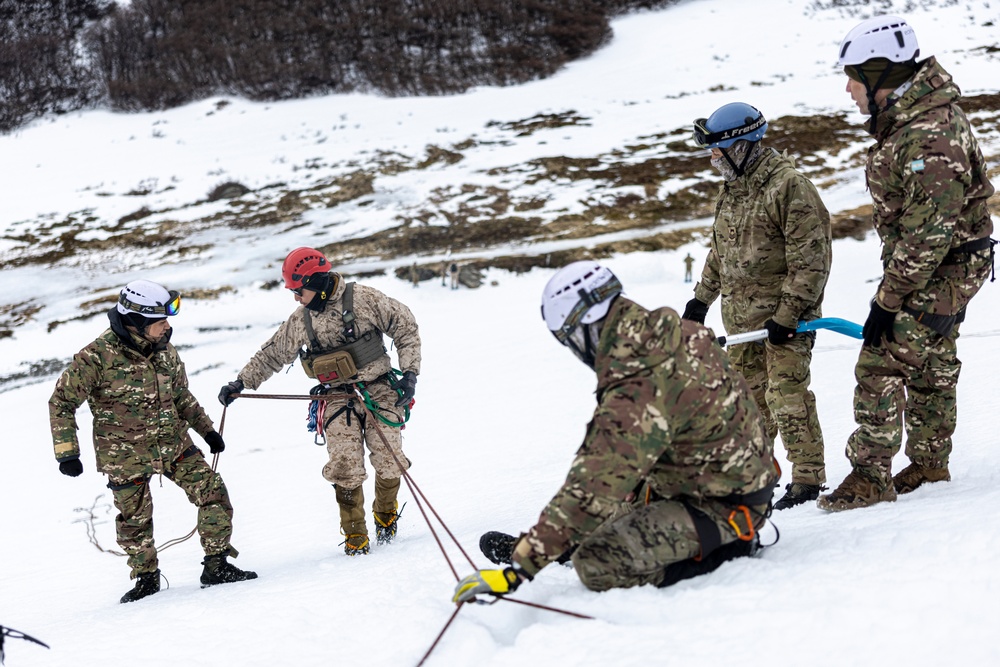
(226, 394)
(215, 442)
(778, 334)
(406, 384)
(492, 582)
(71, 467)
(879, 323)
(695, 311)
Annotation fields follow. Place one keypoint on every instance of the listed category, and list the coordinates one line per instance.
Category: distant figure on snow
(688, 263)
(415, 275)
(453, 270)
(337, 331)
(137, 388)
(929, 186)
(769, 259)
(675, 474)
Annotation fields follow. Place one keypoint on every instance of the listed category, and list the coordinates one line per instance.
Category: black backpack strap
(348, 312)
(313, 341)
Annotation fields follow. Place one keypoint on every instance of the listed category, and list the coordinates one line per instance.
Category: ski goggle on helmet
(579, 293)
(148, 299)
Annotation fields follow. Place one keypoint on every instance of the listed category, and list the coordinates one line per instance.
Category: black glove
(215, 442)
(71, 467)
(226, 395)
(777, 334)
(695, 311)
(407, 385)
(879, 323)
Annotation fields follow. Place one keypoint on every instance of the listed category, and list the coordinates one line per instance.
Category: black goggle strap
(586, 302)
(169, 309)
(705, 138)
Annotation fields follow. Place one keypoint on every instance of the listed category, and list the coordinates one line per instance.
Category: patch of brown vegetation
(528, 126)
(855, 223)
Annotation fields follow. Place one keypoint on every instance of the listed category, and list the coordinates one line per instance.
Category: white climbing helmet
(889, 37)
(579, 293)
(149, 299)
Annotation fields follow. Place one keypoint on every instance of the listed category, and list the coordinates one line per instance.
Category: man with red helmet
(338, 334)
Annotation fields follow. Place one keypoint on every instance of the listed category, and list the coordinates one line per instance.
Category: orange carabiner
(746, 515)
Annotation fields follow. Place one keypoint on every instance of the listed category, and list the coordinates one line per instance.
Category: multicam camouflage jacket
(140, 401)
(929, 186)
(373, 311)
(771, 248)
(672, 413)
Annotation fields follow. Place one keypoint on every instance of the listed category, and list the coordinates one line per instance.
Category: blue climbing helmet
(730, 123)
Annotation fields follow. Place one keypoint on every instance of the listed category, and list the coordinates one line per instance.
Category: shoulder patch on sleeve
(917, 165)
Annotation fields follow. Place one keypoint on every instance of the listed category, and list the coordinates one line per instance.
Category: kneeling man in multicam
(675, 475)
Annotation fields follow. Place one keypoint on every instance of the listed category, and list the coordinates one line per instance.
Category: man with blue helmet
(769, 260)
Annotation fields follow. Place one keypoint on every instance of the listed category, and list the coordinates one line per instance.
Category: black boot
(497, 546)
(220, 571)
(796, 494)
(146, 584)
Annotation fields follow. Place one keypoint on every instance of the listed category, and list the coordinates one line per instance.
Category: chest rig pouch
(340, 365)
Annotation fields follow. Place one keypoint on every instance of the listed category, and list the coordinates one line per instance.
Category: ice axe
(837, 324)
(16, 634)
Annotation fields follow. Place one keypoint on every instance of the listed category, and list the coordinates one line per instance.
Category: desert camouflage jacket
(929, 187)
(771, 248)
(140, 401)
(671, 413)
(373, 311)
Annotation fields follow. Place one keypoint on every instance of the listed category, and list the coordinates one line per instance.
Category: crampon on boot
(796, 494)
(146, 583)
(356, 545)
(497, 546)
(386, 526)
(220, 571)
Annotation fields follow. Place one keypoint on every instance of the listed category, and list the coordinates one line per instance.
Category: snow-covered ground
(500, 406)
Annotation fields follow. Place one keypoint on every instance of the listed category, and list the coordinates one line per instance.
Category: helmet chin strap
(741, 169)
(584, 344)
(870, 92)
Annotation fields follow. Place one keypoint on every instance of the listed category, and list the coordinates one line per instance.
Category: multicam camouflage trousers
(204, 488)
(635, 548)
(913, 381)
(348, 429)
(779, 378)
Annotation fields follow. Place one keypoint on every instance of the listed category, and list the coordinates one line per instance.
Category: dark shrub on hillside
(41, 70)
(57, 55)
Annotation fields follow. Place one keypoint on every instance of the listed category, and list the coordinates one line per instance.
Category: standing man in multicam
(137, 389)
(675, 474)
(770, 260)
(929, 188)
(337, 332)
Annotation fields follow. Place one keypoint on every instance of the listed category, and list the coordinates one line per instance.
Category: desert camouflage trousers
(635, 548)
(204, 488)
(779, 378)
(349, 429)
(911, 382)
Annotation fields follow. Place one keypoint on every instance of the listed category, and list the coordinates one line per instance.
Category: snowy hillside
(500, 407)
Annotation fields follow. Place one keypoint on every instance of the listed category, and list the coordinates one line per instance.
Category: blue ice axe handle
(837, 324)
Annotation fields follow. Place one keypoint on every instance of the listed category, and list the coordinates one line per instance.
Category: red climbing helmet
(302, 263)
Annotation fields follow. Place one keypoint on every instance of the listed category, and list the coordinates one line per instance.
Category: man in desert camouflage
(338, 332)
(137, 389)
(769, 259)
(675, 474)
(929, 188)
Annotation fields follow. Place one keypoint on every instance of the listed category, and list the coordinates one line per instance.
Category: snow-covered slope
(500, 406)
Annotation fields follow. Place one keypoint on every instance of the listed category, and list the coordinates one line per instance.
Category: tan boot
(352, 520)
(384, 509)
(856, 491)
(915, 475)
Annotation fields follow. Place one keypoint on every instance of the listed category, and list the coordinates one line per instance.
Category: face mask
(742, 154)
